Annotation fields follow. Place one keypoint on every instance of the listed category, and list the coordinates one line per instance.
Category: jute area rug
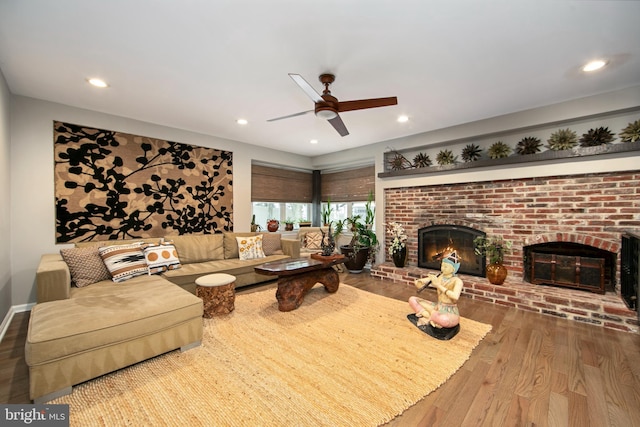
(346, 359)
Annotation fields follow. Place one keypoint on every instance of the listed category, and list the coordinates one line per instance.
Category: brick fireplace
(589, 210)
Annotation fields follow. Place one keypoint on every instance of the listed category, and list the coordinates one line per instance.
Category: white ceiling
(200, 65)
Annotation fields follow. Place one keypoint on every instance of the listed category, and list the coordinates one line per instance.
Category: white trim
(9, 317)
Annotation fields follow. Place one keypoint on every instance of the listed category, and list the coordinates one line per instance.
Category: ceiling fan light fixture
(326, 114)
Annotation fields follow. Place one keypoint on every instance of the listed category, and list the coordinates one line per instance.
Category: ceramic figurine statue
(439, 319)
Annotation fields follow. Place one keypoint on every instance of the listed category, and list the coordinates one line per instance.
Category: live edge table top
(289, 267)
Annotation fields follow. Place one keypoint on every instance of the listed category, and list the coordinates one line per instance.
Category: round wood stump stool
(218, 293)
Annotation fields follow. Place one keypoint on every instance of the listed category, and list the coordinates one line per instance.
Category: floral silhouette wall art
(112, 185)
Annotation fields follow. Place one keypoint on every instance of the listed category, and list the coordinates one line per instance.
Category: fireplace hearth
(437, 241)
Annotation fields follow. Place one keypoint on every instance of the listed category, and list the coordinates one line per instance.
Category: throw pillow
(271, 244)
(85, 265)
(313, 240)
(124, 261)
(161, 258)
(250, 247)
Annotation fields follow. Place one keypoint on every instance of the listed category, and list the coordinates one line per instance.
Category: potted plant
(288, 224)
(273, 225)
(398, 247)
(303, 222)
(363, 245)
(493, 249)
(326, 213)
(369, 211)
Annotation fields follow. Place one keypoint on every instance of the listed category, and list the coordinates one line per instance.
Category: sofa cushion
(161, 258)
(198, 247)
(231, 244)
(152, 240)
(250, 247)
(313, 240)
(272, 244)
(124, 261)
(85, 265)
(101, 315)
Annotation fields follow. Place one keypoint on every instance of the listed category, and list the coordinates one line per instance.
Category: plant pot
(288, 226)
(305, 224)
(355, 262)
(399, 257)
(496, 273)
(273, 225)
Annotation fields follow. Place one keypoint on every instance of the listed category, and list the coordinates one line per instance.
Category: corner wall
(32, 184)
(5, 192)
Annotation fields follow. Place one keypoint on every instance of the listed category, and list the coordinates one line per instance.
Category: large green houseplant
(364, 242)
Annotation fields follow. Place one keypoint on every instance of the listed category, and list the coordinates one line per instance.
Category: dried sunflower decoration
(528, 145)
(471, 153)
(595, 137)
(562, 139)
(399, 162)
(499, 150)
(445, 157)
(422, 160)
(631, 133)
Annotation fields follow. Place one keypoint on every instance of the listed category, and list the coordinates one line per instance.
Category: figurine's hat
(454, 260)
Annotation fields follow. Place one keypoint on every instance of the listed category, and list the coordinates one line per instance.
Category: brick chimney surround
(590, 209)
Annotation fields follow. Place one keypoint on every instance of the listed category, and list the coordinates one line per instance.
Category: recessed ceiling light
(594, 65)
(403, 119)
(314, 141)
(97, 82)
(242, 121)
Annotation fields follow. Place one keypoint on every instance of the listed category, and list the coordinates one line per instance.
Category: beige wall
(5, 192)
(32, 200)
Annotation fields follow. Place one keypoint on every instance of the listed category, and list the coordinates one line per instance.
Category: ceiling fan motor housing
(327, 109)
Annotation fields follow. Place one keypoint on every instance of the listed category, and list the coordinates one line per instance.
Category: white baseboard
(9, 317)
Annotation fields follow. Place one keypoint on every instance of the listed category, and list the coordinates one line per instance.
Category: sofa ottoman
(105, 328)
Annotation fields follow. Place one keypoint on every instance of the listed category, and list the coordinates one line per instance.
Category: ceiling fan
(327, 106)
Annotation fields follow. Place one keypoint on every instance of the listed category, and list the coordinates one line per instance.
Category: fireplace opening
(571, 265)
(437, 241)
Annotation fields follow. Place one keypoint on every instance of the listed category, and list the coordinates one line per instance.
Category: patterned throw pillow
(313, 240)
(250, 247)
(271, 244)
(161, 258)
(124, 261)
(85, 265)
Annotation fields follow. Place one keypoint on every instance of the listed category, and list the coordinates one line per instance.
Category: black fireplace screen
(437, 241)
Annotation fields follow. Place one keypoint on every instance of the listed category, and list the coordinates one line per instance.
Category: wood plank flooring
(531, 370)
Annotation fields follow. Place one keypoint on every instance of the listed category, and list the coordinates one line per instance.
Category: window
(280, 211)
(343, 210)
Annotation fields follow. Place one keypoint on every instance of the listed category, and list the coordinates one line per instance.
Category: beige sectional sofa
(79, 333)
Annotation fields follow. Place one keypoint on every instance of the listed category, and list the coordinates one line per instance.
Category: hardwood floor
(530, 370)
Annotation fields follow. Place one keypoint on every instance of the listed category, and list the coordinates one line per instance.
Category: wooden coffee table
(297, 276)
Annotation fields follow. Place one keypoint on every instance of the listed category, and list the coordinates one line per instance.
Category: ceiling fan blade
(306, 87)
(291, 115)
(338, 125)
(362, 104)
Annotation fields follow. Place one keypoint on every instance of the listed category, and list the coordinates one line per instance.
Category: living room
(27, 220)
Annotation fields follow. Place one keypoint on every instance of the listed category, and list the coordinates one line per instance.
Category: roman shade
(349, 185)
(270, 184)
